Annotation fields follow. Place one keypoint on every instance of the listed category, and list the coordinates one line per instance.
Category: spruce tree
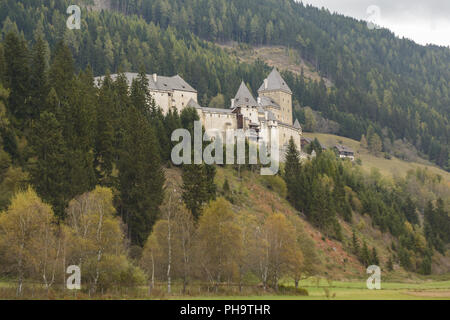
(17, 77)
(374, 258)
(47, 174)
(141, 177)
(198, 187)
(39, 88)
(62, 72)
(292, 172)
(104, 138)
(365, 255)
(355, 243)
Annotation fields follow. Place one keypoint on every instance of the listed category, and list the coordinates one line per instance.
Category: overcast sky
(424, 21)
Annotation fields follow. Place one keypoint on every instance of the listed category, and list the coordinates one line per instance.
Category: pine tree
(141, 177)
(104, 138)
(39, 88)
(17, 77)
(139, 95)
(363, 142)
(292, 173)
(355, 244)
(198, 187)
(365, 255)
(2, 65)
(374, 258)
(47, 175)
(78, 123)
(62, 71)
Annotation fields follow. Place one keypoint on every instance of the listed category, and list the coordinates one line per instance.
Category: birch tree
(28, 239)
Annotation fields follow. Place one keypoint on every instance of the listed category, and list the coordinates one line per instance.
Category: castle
(271, 110)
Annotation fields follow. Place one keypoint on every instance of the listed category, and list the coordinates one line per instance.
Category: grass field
(322, 290)
(390, 167)
(345, 290)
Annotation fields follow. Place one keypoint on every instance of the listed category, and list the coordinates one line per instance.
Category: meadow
(355, 290)
(318, 289)
(388, 167)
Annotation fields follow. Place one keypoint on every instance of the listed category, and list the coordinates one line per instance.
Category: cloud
(422, 21)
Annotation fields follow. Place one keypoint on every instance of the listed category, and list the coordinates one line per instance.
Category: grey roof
(275, 82)
(193, 104)
(297, 124)
(342, 148)
(244, 97)
(162, 83)
(268, 102)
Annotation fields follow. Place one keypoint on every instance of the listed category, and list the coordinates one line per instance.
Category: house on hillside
(305, 141)
(344, 152)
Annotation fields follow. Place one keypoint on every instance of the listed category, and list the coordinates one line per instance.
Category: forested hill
(399, 88)
(379, 77)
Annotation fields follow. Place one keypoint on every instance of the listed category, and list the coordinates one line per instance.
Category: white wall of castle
(251, 113)
(217, 121)
(285, 133)
(182, 98)
(168, 99)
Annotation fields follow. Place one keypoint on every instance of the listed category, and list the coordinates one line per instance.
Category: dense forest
(379, 78)
(394, 85)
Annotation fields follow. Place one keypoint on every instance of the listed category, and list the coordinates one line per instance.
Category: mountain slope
(380, 78)
(394, 85)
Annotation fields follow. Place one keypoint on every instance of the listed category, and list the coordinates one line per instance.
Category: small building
(305, 141)
(344, 152)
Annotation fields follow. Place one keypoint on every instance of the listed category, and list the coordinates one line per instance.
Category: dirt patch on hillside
(280, 57)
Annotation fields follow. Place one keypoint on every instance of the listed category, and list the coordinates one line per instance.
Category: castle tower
(275, 87)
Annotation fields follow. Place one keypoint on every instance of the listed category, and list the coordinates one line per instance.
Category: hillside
(394, 85)
(380, 79)
(390, 167)
(280, 57)
(335, 258)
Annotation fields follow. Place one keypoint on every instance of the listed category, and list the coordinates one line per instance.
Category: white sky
(424, 21)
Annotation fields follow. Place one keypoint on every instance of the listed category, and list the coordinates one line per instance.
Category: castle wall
(182, 98)
(161, 99)
(217, 121)
(284, 100)
(250, 113)
(285, 133)
(178, 99)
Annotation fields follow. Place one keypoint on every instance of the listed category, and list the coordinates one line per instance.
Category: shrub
(275, 183)
(285, 290)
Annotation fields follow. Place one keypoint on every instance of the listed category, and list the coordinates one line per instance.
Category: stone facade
(272, 109)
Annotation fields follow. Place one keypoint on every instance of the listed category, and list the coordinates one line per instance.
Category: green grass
(387, 167)
(323, 290)
(355, 290)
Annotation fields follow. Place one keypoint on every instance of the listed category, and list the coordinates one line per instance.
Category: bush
(285, 290)
(275, 183)
(114, 271)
